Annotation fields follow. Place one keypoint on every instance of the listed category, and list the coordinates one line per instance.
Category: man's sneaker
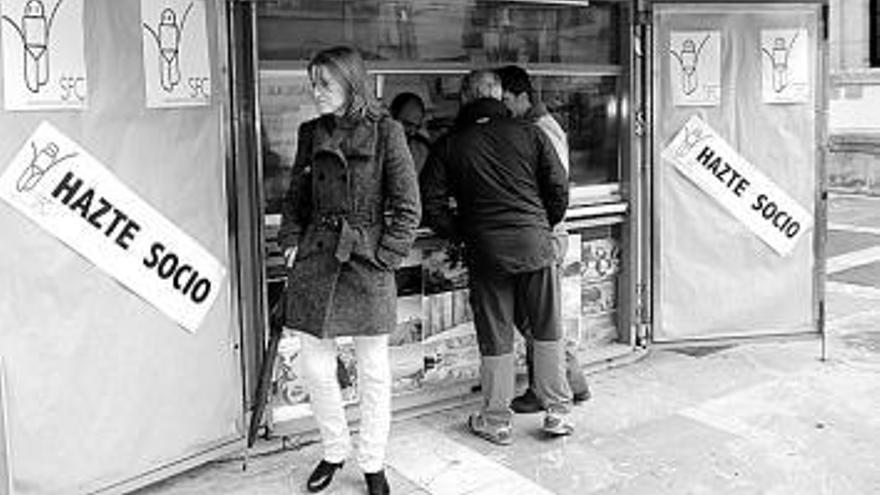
(557, 425)
(527, 403)
(500, 435)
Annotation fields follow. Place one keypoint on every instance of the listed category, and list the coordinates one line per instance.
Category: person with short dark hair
(352, 167)
(409, 109)
(519, 97)
(510, 189)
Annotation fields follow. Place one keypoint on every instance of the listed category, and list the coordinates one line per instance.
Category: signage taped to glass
(57, 184)
(701, 155)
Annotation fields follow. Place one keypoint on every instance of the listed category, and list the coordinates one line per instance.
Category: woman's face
(327, 90)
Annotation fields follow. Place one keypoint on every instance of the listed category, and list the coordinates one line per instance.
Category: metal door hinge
(640, 33)
(639, 123)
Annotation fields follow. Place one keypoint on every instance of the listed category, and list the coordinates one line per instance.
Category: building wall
(854, 107)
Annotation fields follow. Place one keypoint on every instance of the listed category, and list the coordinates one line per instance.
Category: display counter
(434, 350)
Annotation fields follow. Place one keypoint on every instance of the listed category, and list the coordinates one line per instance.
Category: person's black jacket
(508, 184)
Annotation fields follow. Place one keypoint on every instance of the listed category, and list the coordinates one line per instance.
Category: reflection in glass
(585, 106)
(468, 31)
(425, 46)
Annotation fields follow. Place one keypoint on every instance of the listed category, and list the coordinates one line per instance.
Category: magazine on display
(601, 265)
(289, 398)
(405, 342)
(450, 342)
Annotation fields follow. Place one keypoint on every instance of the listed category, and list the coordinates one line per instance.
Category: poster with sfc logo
(695, 68)
(740, 187)
(60, 186)
(43, 61)
(177, 66)
(785, 63)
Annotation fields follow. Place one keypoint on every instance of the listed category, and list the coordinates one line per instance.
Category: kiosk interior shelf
(434, 344)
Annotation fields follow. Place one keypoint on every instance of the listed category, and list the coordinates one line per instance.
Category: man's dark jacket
(508, 184)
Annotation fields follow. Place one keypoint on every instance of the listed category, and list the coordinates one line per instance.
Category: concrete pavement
(768, 418)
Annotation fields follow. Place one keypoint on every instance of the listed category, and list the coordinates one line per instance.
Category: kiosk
(657, 253)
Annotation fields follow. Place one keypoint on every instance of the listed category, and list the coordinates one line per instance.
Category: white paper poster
(785, 65)
(177, 67)
(695, 68)
(699, 153)
(43, 62)
(57, 184)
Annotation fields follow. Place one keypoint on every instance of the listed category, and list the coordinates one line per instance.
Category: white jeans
(374, 384)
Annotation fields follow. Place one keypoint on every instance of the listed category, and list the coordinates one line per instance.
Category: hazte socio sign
(699, 153)
(57, 184)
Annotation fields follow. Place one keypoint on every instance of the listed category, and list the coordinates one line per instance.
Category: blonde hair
(347, 66)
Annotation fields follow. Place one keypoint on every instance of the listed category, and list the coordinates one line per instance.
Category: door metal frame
(642, 183)
(245, 172)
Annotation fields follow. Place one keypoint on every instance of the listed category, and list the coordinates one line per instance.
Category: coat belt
(343, 223)
(334, 221)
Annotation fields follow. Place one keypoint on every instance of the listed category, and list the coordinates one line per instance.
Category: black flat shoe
(322, 475)
(377, 484)
(527, 403)
(581, 396)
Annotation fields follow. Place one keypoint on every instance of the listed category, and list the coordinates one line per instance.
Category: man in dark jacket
(510, 189)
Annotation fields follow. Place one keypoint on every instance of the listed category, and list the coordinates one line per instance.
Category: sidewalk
(748, 419)
(767, 418)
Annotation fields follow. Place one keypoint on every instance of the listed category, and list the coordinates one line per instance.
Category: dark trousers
(497, 299)
(574, 373)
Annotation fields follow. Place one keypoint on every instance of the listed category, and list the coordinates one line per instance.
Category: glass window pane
(585, 106)
(286, 102)
(468, 31)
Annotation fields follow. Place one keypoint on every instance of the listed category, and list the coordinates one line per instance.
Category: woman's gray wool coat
(352, 211)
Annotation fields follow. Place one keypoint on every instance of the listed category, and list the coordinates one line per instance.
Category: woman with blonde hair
(348, 220)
